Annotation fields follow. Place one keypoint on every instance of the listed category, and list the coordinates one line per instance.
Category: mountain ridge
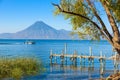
(38, 30)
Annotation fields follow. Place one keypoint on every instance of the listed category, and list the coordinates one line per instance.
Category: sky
(16, 15)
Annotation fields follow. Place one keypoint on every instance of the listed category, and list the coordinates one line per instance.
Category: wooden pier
(73, 58)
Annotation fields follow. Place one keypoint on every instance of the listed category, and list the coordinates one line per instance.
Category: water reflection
(77, 72)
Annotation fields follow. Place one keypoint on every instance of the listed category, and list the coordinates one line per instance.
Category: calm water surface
(41, 50)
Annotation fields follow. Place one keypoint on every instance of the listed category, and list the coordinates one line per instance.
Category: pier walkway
(74, 57)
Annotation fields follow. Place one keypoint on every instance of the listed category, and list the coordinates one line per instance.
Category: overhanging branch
(100, 20)
(111, 20)
(82, 16)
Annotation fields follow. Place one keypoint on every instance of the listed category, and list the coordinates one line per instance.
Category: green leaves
(114, 6)
(81, 26)
(88, 32)
(90, 25)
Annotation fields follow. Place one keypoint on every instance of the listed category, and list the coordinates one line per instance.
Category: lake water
(41, 50)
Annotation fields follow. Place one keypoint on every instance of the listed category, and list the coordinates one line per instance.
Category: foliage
(80, 25)
(115, 9)
(88, 11)
(19, 67)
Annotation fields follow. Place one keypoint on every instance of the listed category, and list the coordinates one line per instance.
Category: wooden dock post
(91, 59)
(75, 58)
(104, 60)
(101, 59)
(89, 62)
(116, 69)
(71, 58)
(92, 62)
(81, 60)
(55, 59)
(62, 57)
(65, 52)
(90, 51)
(101, 54)
(51, 56)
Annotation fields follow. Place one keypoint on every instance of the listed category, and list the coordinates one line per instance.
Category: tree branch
(111, 20)
(82, 16)
(100, 20)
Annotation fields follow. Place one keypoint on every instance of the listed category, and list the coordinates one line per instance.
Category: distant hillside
(38, 30)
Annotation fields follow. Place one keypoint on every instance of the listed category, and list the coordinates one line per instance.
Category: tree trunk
(116, 45)
(116, 33)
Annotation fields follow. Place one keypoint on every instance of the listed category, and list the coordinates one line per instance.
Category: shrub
(19, 67)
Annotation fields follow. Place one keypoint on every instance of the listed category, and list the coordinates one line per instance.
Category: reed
(19, 67)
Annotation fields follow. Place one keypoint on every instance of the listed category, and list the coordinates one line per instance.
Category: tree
(87, 21)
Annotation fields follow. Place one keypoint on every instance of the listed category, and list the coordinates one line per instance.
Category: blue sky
(16, 15)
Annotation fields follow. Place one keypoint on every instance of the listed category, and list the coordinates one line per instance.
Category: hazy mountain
(38, 30)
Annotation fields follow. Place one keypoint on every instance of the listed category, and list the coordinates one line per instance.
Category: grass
(19, 67)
